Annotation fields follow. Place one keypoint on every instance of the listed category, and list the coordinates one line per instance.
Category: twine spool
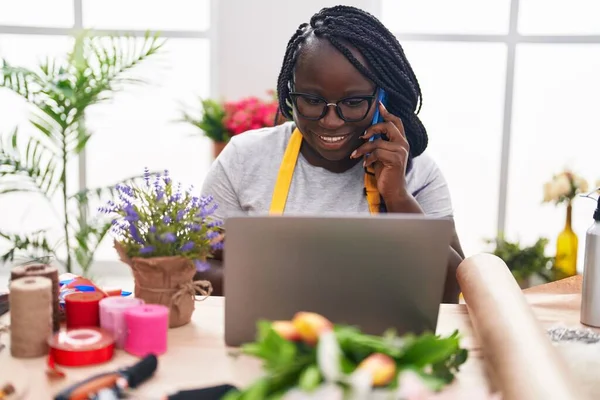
(49, 272)
(30, 316)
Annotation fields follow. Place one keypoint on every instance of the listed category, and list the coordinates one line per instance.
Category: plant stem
(63, 180)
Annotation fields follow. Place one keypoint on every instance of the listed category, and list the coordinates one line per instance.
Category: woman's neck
(315, 159)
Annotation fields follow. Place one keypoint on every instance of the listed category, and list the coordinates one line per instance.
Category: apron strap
(286, 172)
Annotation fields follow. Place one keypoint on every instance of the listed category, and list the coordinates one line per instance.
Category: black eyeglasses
(350, 109)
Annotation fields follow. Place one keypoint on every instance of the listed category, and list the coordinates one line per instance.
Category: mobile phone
(377, 118)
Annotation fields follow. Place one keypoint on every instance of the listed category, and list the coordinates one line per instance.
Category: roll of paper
(147, 327)
(112, 318)
(30, 316)
(523, 363)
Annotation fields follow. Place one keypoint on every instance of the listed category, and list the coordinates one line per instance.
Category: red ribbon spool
(82, 309)
(80, 347)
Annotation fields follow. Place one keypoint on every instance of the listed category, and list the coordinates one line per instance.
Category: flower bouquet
(564, 187)
(165, 235)
(309, 357)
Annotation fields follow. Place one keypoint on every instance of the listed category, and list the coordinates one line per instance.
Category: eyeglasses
(349, 109)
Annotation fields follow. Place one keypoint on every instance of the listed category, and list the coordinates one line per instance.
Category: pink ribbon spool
(147, 327)
(112, 318)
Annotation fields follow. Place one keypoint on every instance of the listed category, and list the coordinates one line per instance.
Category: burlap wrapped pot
(167, 281)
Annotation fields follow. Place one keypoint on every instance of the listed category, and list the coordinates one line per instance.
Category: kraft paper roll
(523, 363)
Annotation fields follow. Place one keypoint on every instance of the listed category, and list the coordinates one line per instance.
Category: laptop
(374, 272)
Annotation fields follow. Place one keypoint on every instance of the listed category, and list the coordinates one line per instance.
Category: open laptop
(373, 272)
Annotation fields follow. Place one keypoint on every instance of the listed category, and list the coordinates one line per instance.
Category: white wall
(252, 35)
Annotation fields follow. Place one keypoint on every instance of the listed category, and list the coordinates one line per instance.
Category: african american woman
(331, 75)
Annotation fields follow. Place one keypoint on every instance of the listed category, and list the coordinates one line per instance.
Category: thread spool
(49, 272)
(112, 318)
(81, 347)
(30, 316)
(82, 309)
(147, 327)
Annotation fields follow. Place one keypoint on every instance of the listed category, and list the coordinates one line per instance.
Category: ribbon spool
(81, 347)
(112, 318)
(46, 271)
(147, 327)
(83, 310)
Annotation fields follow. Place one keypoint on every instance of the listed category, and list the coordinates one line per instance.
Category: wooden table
(197, 356)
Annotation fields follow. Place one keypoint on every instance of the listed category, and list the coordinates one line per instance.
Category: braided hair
(387, 64)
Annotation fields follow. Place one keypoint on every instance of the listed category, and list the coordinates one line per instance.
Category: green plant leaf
(32, 245)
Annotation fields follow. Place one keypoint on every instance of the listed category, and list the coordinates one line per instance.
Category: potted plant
(562, 189)
(59, 93)
(220, 121)
(165, 235)
(210, 122)
(526, 262)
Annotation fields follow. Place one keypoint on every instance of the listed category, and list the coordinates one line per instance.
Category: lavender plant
(159, 219)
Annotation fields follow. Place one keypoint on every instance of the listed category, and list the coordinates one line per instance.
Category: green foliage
(210, 121)
(59, 92)
(293, 364)
(526, 261)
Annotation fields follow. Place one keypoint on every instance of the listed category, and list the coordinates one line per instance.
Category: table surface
(197, 356)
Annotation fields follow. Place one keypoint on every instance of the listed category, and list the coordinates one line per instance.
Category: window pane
(462, 111)
(26, 212)
(189, 15)
(555, 126)
(559, 17)
(137, 129)
(443, 16)
(54, 13)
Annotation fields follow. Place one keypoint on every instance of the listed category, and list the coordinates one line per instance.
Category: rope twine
(188, 288)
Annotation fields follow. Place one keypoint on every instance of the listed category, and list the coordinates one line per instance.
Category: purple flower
(168, 237)
(167, 219)
(217, 246)
(187, 246)
(135, 234)
(195, 227)
(166, 178)
(147, 176)
(201, 266)
(147, 250)
(180, 215)
(214, 223)
(152, 229)
(212, 235)
(131, 213)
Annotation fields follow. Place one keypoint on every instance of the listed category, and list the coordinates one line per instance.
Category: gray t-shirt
(243, 176)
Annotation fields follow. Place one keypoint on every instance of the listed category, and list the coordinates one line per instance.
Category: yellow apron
(286, 172)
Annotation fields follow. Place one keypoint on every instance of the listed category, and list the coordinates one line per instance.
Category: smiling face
(321, 70)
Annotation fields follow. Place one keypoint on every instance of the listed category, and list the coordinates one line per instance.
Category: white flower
(582, 184)
(328, 357)
(562, 185)
(550, 192)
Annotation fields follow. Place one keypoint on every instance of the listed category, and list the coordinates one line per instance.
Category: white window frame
(77, 27)
(511, 40)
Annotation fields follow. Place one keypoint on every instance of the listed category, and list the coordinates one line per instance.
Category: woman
(323, 162)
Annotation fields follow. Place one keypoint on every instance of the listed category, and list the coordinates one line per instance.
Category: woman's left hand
(388, 157)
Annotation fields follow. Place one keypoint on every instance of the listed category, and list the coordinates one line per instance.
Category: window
(138, 127)
(510, 97)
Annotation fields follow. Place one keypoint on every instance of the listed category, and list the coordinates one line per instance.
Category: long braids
(387, 64)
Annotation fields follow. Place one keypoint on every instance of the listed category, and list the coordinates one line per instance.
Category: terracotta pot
(218, 148)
